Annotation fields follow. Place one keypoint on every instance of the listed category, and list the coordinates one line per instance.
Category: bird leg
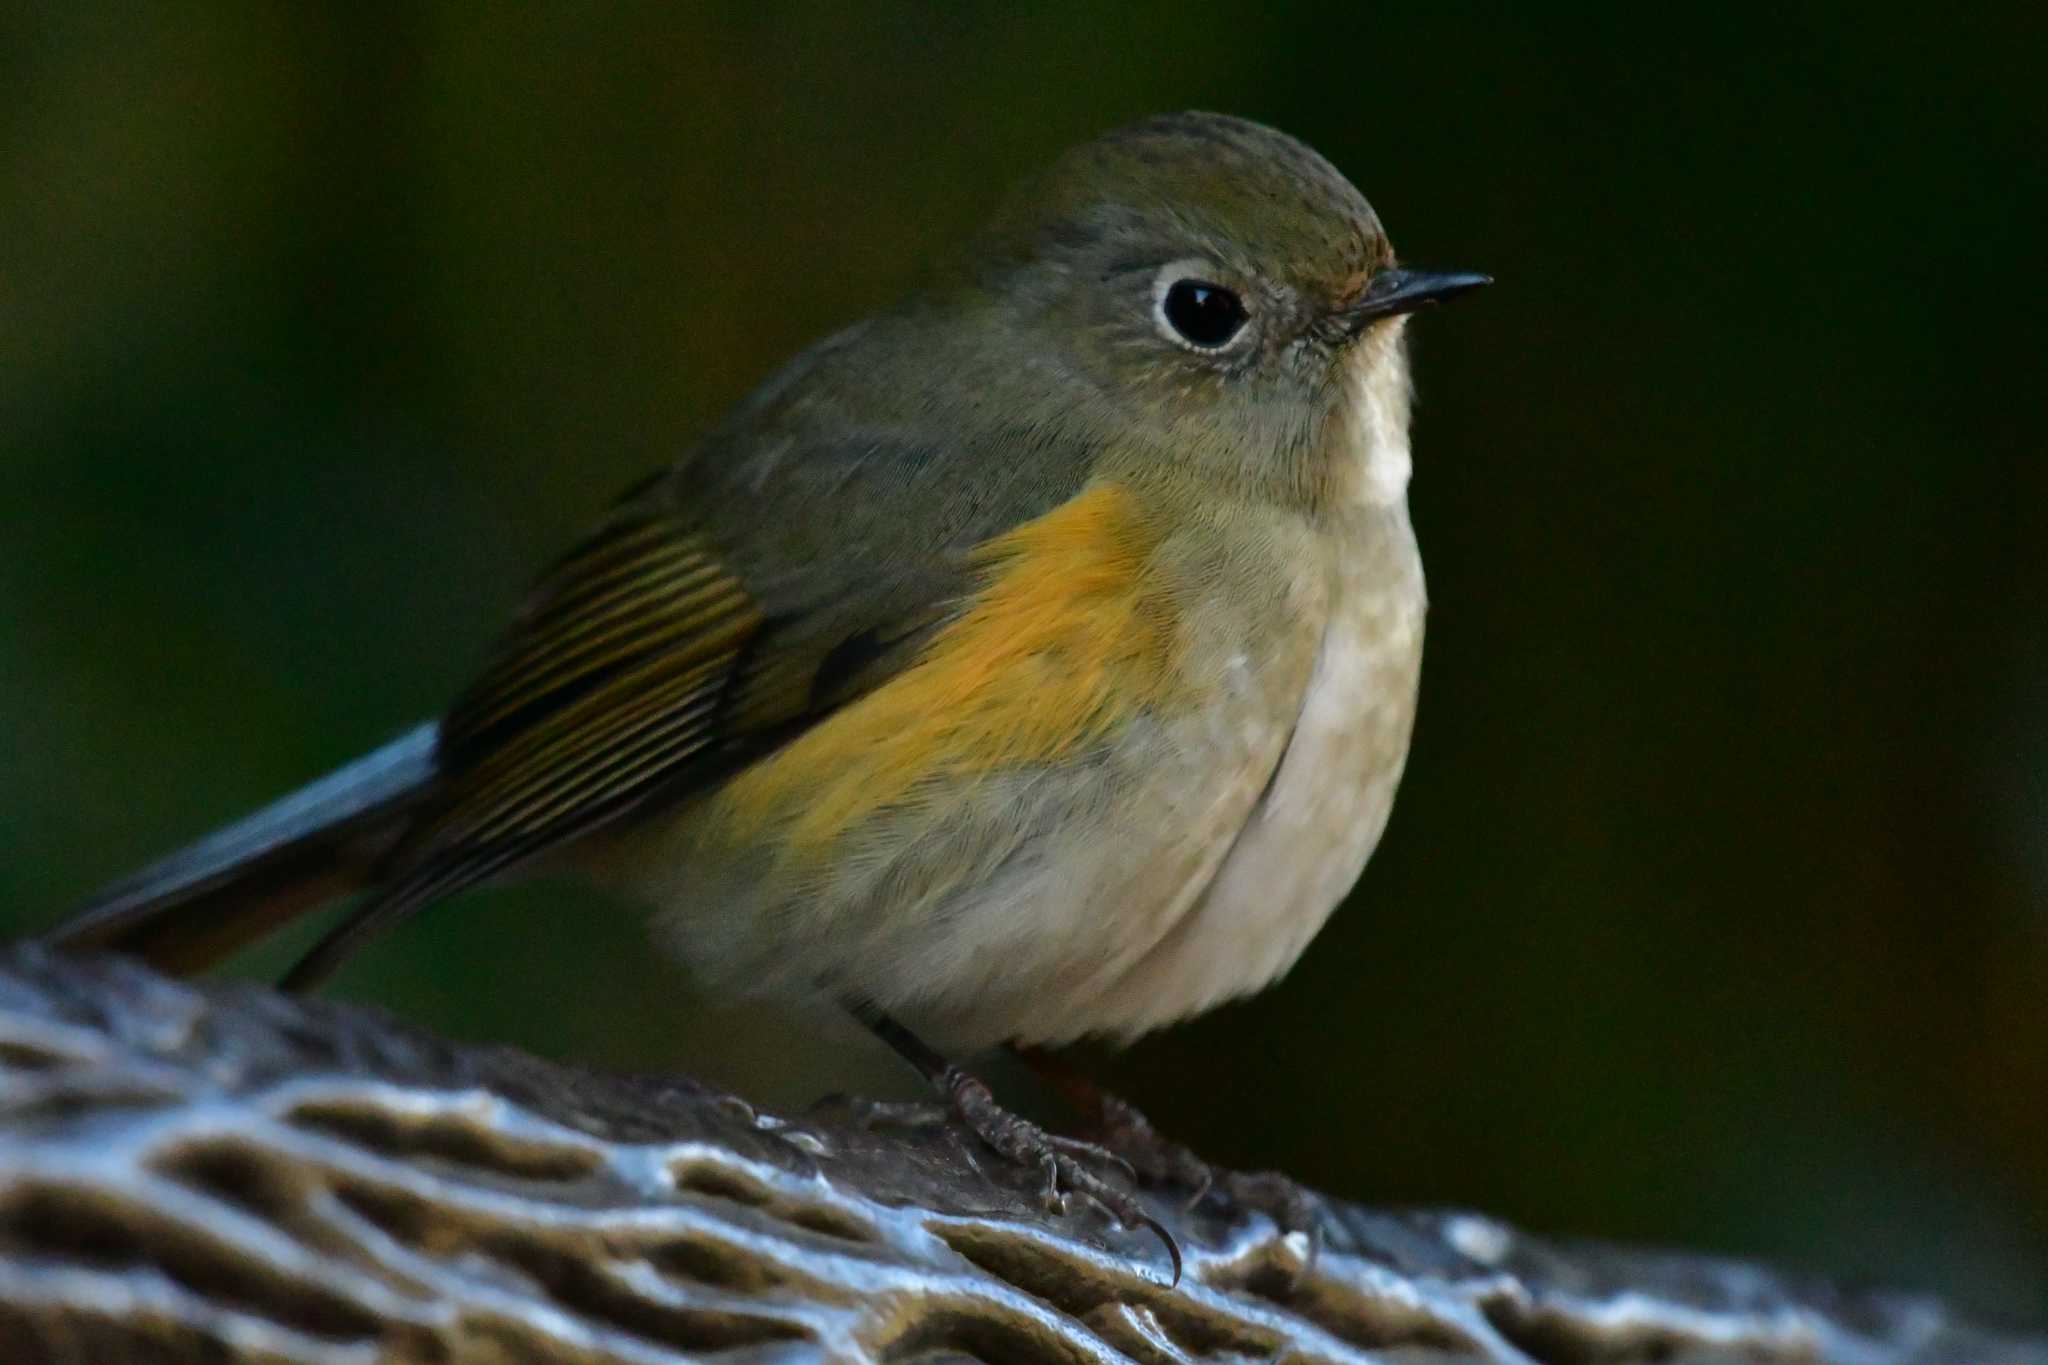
(1066, 1164)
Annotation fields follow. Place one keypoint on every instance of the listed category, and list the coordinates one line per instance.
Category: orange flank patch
(1066, 639)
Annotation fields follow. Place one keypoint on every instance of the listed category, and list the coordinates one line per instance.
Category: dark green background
(1715, 908)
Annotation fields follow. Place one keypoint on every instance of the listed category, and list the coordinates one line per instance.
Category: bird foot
(1070, 1167)
(1163, 1163)
(1160, 1161)
(925, 1115)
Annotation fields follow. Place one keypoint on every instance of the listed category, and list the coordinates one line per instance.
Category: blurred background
(1714, 911)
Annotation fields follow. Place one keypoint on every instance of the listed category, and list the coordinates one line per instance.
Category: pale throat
(1373, 458)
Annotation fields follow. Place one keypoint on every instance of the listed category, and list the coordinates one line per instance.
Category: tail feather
(201, 903)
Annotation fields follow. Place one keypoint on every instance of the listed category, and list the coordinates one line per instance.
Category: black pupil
(1206, 314)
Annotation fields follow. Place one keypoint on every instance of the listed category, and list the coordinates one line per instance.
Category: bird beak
(1395, 291)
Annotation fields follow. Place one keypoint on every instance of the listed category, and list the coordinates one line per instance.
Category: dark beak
(1395, 291)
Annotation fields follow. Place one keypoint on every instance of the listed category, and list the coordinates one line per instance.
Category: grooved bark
(199, 1173)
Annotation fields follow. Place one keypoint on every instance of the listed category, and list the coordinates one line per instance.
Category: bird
(1035, 659)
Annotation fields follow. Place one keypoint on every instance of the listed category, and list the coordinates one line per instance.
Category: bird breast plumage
(1184, 855)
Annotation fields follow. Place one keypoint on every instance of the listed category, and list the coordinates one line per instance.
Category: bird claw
(1159, 1161)
(1293, 1207)
(1094, 1152)
(1061, 1159)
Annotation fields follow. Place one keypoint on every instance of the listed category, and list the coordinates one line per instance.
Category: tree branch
(188, 1173)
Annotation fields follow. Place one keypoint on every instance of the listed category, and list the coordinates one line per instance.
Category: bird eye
(1204, 315)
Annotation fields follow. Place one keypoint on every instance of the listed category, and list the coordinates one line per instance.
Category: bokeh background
(1715, 908)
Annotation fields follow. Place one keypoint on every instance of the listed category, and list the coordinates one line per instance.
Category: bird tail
(200, 904)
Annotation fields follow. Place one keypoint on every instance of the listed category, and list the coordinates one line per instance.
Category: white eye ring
(1201, 275)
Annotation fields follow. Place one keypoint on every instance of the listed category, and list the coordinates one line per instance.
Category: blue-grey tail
(323, 841)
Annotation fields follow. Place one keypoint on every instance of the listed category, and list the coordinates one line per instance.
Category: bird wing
(707, 622)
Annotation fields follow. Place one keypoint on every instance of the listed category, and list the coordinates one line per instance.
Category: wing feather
(594, 695)
(711, 620)
(660, 590)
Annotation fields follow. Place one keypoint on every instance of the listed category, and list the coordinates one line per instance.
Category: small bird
(1032, 660)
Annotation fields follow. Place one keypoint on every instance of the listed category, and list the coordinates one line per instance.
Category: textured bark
(200, 1173)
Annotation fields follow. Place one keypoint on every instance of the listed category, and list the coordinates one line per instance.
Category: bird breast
(1309, 834)
(1307, 838)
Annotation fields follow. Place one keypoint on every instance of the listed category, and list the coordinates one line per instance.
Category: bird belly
(1183, 860)
(1013, 907)
(1303, 845)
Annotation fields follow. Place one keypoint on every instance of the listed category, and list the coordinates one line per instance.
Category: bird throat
(1370, 461)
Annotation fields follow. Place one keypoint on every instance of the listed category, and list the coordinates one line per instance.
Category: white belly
(1310, 834)
(1306, 843)
(1198, 876)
